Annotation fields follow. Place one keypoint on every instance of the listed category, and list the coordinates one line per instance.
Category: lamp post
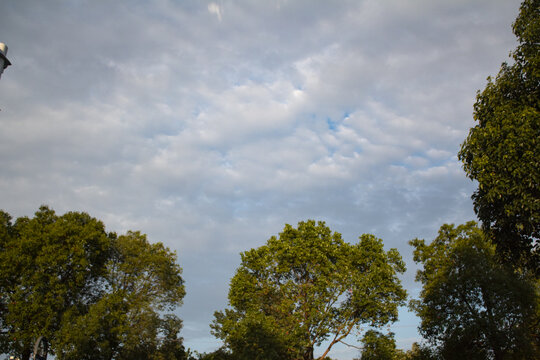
(4, 62)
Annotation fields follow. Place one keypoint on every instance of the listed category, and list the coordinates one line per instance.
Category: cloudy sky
(209, 125)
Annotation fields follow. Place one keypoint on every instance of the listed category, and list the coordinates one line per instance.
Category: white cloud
(215, 9)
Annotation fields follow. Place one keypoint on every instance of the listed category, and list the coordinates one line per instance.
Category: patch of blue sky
(331, 151)
(198, 110)
(332, 125)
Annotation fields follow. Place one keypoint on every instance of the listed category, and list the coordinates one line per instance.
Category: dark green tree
(92, 294)
(419, 352)
(219, 354)
(49, 265)
(6, 236)
(252, 335)
(143, 280)
(378, 346)
(307, 286)
(502, 152)
(171, 345)
(470, 305)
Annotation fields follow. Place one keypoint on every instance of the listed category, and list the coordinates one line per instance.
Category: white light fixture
(4, 62)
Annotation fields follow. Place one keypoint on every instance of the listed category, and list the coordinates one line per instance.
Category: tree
(378, 346)
(502, 152)
(419, 352)
(6, 234)
(471, 306)
(49, 265)
(171, 346)
(142, 281)
(92, 294)
(307, 286)
(219, 354)
(253, 335)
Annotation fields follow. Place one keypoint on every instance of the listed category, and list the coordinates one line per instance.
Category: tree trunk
(26, 353)
(498, 355)
(308, 355)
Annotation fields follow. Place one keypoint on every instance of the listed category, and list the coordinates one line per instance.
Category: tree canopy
(470, 305)
(379, 346)
(93, 294)
(502, 152)
(305, 287)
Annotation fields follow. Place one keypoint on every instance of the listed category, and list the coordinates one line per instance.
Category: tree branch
(338, 338)
(349, 345)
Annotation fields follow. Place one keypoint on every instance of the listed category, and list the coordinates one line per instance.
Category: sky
(209, 125)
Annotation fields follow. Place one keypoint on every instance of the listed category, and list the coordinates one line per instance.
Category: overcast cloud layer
(209, 125)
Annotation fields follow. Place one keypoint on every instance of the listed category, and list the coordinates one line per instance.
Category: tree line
(98, 295)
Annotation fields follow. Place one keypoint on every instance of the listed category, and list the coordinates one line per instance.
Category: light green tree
(470, 305)
(142, 281)
(305, 287)
(502, 152)
(92, 294)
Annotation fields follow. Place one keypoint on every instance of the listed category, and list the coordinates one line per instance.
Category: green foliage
(419, 352)
(142, 279)
(92, 294)
(6, 237)
(255, 336)
(219, 354)
(471, 306)
(502, 152)
(50, 265)
(170, 346)
(305, 287)
(378, 346)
